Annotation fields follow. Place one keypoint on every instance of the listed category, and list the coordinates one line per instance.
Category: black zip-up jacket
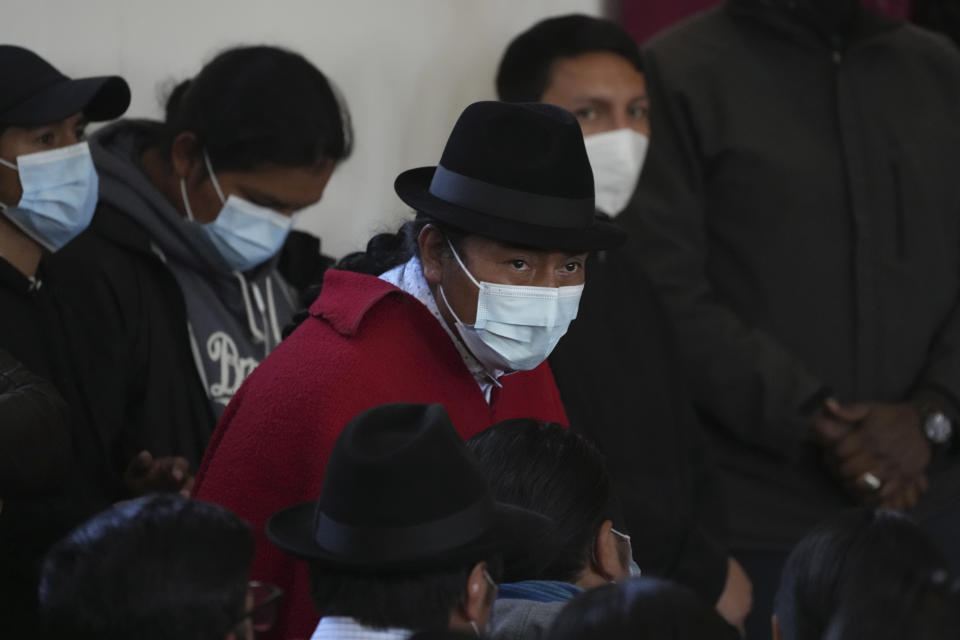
(799, 213)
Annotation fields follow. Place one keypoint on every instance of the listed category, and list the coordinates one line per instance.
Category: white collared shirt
(409, 278)
(343, 628)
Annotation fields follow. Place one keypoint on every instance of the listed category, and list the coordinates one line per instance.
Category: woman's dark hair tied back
(259, 106)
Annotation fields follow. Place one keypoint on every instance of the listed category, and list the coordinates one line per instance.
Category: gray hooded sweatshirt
(234, 319)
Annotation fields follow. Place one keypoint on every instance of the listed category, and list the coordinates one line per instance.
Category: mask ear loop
(449, 308)
(213, 177)
(460, 262)
(186, 201)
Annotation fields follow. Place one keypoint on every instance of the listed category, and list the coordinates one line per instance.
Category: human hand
(888, 446)
(830, 426)
(736, 600)
(146, 474)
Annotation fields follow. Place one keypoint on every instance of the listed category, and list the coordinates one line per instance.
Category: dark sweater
(799, 215)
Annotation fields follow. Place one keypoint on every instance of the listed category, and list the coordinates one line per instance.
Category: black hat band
(399, 543)
(511, 204)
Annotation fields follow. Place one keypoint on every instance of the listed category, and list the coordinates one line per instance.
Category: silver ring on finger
(872, 481)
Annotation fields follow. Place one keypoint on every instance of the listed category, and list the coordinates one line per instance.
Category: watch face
(938, 428)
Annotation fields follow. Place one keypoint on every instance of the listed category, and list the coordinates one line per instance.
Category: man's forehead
(599, 73)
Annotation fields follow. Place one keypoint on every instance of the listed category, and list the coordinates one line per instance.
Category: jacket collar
(13, 279)
(791, 18)
(346, 297)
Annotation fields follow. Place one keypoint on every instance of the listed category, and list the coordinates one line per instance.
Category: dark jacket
(153, 367)
(177, 311)
(34, 432)
(798, 213)
(39, 331)
(619, 378)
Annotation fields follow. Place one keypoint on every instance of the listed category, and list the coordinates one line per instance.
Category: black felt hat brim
(101, 98)
(413, 187)
(517, 536)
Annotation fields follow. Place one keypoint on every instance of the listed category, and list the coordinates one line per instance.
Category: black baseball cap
(33, 92)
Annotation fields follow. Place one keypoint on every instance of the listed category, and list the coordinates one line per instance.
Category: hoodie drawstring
(267, 309)
(244, 289)
(272, 307)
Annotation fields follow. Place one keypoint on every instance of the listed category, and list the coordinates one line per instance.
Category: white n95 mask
(59, 194)
(245, 234)
(516, 327)
(616, 158)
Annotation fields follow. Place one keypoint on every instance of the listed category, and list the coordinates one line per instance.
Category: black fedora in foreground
(401, 492)
(517, 173)
(35, 93)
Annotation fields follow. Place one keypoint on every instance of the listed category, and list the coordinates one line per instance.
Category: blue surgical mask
(59, 194)
(245, 234)
(516, 328)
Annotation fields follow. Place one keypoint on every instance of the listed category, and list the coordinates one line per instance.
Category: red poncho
(367, 343)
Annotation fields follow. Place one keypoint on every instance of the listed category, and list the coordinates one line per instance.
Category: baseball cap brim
(100, 98)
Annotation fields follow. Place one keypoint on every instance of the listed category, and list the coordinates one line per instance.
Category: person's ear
(433, 249)
(775, 627)
(480, 595)
(606, 556)
(186, 158)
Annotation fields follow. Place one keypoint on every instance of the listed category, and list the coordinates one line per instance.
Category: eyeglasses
(263, 601)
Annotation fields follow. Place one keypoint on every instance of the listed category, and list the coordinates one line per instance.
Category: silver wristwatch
(937, 427)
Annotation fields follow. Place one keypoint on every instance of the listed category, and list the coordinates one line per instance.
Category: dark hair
(647, 608)
(526, 68)
(845, 555)
(416, 601)
(384, 251)
(547, 468)
(159, 567)
(927, 608)
(257, 106)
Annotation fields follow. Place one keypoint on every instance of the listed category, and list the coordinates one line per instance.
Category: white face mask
(516, 327)
(59, 194)
(616, 158)
(245, 234)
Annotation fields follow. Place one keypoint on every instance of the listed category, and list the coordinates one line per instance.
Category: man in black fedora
(461, 307)
(405, 534)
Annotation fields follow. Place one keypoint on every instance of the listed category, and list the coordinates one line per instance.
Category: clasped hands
(877, 451)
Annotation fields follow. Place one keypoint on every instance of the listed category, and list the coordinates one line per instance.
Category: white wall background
(406, 67)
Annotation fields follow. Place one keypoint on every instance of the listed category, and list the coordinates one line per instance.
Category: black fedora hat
(35, 93)
(517, 173)
(401, 492)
